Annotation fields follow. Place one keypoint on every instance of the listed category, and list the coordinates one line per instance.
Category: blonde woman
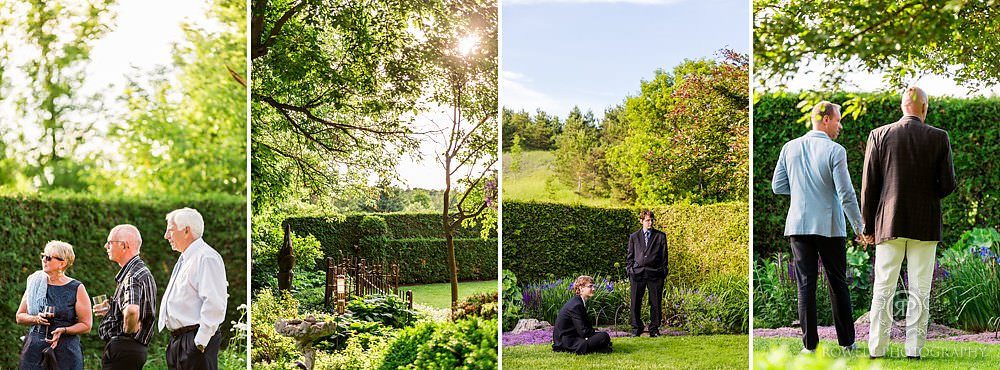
(53, 340)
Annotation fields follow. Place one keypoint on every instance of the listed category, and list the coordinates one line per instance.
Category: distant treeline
(682, 138)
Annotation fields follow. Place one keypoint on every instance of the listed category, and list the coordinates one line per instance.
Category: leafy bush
(362, 352)
(402, 350)
(268, 345)
(424, 261)
(775, 294)
(971, 124)
(483, 305)
(695, 311)
(387, 310)
(512, 305)
(465, 344)
(730, 294)
(702, 241)
(969, 288)
(28, 222)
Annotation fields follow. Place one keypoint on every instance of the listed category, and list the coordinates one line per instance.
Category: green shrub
(425, 261)
(267, 344)
(543, 241)
(28, 222)
(373, 232)
(466, 344)
(402, 350)
(362, 352)
(387, 310)
(733, 300)
(972, 288)
(608, 305)
(971, 125)
(512, 301)
(483, 305)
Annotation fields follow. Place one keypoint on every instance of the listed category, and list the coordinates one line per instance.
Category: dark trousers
(638, 284)
(183, 354)
(807, 250)
(599, 342)
(123, 353)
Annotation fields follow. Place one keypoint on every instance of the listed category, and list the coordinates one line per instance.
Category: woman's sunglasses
(49, 258)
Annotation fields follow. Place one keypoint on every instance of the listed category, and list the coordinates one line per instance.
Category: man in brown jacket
(908, 169)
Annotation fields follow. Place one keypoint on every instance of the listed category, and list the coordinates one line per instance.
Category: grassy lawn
(687, 352)
(439, 295)
(938, 354)
(536, 181)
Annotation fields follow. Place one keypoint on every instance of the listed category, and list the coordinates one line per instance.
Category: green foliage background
(554, 240)
(413, 240)
(975, 142)
(84, 222)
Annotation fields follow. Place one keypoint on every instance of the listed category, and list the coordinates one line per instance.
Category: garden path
(934, 331)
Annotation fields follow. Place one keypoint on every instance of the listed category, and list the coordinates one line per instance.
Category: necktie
(166, 295)
(647, 237)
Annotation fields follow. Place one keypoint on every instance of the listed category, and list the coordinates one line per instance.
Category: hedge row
(424, 261)
(412, 240)
(344, 234)
(30, 222)
(975, 142)
(556, 240)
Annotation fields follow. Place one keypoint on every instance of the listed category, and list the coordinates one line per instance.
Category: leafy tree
(515, 154)
(335, 86)
(686, 134)
(50, 111)
(465, 81)
(905, 39)
(578, 156)
(186, 126)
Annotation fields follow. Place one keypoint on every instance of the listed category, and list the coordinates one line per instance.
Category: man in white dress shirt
(194, 303)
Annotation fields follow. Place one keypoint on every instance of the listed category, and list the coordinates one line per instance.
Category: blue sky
(593, 53)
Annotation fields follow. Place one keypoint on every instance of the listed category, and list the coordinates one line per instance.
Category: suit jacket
(908, 170)
(813, 170)
(647, 260)
(572, 327)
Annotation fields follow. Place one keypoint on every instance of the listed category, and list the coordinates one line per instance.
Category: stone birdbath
(305, 332)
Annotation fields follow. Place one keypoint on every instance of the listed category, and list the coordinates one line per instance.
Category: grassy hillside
(535, 180)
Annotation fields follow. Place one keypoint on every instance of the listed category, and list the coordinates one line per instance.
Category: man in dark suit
(573, 331)
(908, 169)
(646, 264)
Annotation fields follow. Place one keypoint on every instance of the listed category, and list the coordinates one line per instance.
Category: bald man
(129, 316)
(907, 170)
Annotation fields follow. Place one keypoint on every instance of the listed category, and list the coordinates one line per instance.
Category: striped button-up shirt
(135, 286)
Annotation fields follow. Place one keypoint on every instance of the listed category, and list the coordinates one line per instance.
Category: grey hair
(187, 217)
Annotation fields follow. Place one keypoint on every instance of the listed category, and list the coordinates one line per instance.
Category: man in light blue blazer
(813, 170)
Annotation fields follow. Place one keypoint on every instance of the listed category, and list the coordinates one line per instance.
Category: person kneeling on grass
(573, 331)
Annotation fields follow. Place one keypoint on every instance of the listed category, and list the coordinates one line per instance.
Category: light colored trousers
(920, 270)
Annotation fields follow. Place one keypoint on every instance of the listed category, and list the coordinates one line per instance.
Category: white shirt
(196, 294)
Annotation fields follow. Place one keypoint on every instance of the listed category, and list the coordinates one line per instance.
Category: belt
(125, 338)
(184, 330)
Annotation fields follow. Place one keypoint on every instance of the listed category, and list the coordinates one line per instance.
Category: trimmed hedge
(555, 240)
(31, 221)
(347, 234)
(975, 141)
(424, 261)
(412, 240)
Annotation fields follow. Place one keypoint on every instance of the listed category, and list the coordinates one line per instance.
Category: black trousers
(638, 285)
(807, 250)
(183, 354)
(599, 342)
(123, 353)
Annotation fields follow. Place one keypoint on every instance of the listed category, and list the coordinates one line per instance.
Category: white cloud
(517, 93)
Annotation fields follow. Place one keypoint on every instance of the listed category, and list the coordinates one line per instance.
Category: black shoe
(874, 357)
(913, 357)
(654, 334)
